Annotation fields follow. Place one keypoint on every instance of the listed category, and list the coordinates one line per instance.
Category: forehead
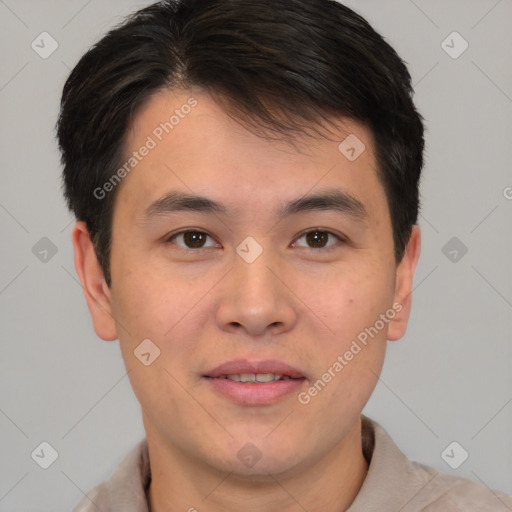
(183, 140)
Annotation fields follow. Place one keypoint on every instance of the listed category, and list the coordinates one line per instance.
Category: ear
(95, 288)
(403, 287)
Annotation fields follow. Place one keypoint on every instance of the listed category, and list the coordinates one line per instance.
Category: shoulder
(396, 483)
(125, 489)
(447, 492)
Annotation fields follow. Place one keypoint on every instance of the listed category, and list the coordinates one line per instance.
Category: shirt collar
(392, 481)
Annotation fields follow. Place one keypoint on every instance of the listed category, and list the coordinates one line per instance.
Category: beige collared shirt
(393, 484)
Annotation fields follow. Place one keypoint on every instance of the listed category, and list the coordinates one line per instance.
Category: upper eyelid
(182, 232)
(322, 230)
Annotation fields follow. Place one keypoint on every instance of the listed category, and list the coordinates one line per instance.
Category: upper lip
(238, 366)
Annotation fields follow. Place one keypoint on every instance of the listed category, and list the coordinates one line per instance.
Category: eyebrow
(330, 199)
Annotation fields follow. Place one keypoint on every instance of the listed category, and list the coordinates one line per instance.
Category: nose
(255, 299)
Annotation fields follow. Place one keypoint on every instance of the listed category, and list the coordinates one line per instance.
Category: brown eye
(318, 239)
(192, 239)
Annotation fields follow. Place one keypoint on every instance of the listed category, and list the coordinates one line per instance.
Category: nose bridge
(254, 299)
(256, 280)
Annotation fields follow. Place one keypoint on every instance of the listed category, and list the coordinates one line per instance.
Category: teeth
(256, 377)
(267, 377)
(247, 377)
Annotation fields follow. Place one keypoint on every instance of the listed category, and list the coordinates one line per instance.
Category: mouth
(255, 383)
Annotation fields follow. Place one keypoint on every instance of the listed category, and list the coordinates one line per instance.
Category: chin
(260, 461)
(263, 472)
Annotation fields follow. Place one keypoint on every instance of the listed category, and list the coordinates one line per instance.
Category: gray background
(448, 380)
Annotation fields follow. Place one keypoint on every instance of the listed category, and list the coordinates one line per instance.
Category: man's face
(268, 282)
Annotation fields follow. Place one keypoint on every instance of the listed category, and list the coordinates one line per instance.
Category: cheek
(144, 294)
(159, 305)
(149, 307)
(348, 299)
(351, 356)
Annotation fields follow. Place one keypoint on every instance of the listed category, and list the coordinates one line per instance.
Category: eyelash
(340, 238)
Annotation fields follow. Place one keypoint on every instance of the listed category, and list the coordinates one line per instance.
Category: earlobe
(404, 285)
(95, 288)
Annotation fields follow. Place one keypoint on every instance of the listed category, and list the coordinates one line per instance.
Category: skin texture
(202, 307)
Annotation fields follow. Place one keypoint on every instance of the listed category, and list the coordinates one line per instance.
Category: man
(245, 180)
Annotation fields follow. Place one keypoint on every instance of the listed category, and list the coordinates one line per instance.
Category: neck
(330, 484)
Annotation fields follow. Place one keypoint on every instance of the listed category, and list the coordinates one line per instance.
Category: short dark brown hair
(281, 65)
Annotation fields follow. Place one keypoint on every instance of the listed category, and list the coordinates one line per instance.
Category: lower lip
(256, 393)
